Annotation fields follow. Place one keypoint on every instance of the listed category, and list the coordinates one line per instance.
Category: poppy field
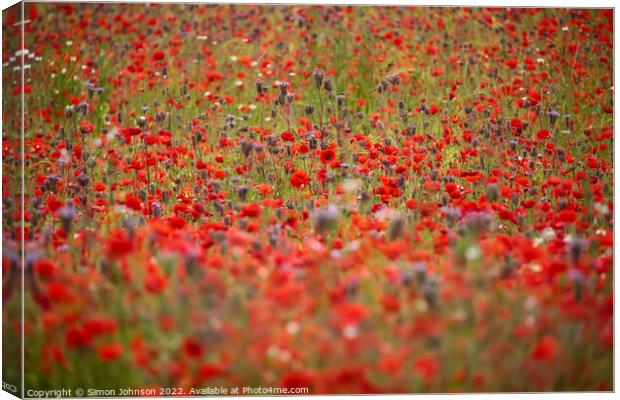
(344, 199)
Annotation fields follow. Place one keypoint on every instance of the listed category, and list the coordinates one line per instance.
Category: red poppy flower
(287, 136)
(427, 367)
(110, 352)
(546, 348)
(192, 348)
(299, 178)
(327, 156)
(542, 134)
(251, 210)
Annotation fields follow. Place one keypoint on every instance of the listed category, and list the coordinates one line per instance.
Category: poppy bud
(492, 192)
(215, 185)
(562, 203)
(67, 215)
(318, 75)
(312, 142)
(395, 229)
(513, 145)
(309, 109)
(340, 100)
(69, 111)
(217, 205)
(561, 154)
(394, 79)
(129, 224)
(508, 267)
(364, 197)
(283, 88)
(191, 262)
(352, 289)
(156, 210)
(327, 85)
(576, 247)
(273, 239)
(246, 147)
(476, 221)
(242, 192)
(141, 121)
(35, 201)
(256, 246)
(451, 214)
(326, 218)
(259, 87)
(567, 121)
(578, 280)
(406, 278)
(430, 291)
(83, 180)
(553, 117)
(82, 108)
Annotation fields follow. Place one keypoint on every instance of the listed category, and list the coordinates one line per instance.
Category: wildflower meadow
(306, 199)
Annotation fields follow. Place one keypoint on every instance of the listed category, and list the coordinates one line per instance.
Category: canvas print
(216, 199)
